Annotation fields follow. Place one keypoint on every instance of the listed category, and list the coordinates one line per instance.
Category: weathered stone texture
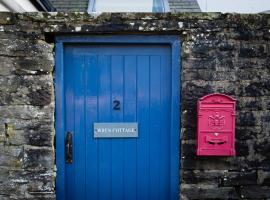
(26, 112)
(227, 53)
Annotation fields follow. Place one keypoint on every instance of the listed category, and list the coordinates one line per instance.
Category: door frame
(174, 42)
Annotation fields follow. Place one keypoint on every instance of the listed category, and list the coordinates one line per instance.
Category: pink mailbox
(216, 125)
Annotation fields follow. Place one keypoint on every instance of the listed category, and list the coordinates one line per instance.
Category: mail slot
(216, 125)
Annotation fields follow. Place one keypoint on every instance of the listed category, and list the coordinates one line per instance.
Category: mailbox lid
(216, 140)
(217, 100)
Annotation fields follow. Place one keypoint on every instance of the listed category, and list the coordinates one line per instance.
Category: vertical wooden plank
(165, 128)
(79, 131)
(155, 122)
(117, 116)
(174, 63)
(69, 118)
(130, 115)
(60, 121)
(104, 113)
(143, 120)
(92, 74)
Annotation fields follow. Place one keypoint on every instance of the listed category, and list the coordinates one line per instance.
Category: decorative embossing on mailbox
(216, 125)
(216, 121)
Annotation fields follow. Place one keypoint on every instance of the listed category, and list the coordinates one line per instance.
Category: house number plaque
(115, 130)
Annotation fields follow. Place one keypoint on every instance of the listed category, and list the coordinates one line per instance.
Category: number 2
(116, 105)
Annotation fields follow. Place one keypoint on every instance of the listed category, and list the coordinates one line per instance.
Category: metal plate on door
(115, 130)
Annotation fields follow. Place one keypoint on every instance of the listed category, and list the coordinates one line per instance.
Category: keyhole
(116, 105)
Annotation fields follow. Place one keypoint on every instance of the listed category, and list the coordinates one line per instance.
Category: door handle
(69, 148)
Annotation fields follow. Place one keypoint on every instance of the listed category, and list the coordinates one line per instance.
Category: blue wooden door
(139, 76)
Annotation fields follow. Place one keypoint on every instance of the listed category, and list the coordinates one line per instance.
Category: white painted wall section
(238, 6)
(124, 5)
(3, 8)
(27, 5)
(17, 6)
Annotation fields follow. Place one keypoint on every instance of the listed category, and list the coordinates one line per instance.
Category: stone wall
(26, 111)
(226, 53)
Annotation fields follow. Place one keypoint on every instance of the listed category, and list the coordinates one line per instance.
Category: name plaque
(115, 130)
